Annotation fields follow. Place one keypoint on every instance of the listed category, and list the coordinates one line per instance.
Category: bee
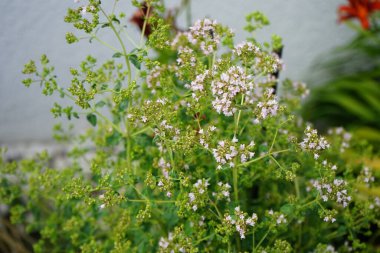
(211, 32)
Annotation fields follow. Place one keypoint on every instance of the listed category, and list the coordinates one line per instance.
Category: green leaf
(100, 104)
(288, 209)
(368, 133)
(113, 139)
(115, 20)
(92, 119)
(117, 55)
(75, 114)
(350, 104)
(117, 86)
(123, 105)
(135, 61)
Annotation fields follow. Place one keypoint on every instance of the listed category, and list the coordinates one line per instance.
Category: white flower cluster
(222, 191)
(329, 215)
(231, 84)
(241, 220)
(227, 151)
(175, 243)
(164, 129)
(268, 63)
(267, 107)
(314, 143)
(204, 136)
(345, 137)
(146, 110)
(204, 34)
(278, 217)
(85, 9)
(199, 192)
(153, 79)
(329, 165)
(329, 219)
(376, 203)
(246, 48)
(301, 89)
(258, 60)
(164, 183)
(197, 86)
(186, 56)
(329, 249)
(335, 191)
(366, 176)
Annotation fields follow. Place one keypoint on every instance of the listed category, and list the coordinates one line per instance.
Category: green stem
(151, 200)
(121, 44)
(114, 6)
(61, 90)
(276, 133)
(238, 116)
(141, 131)
(104, 43)
(109, 122)
(253, 242)
(262, 157)
(145, 23)
(235, 183)
(204, 238)
(262, 239)
(216, 208)
(297, 188)
(309, 203)
(274, 139)
(276, 162)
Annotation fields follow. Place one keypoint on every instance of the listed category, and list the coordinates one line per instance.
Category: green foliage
(191, 154)
(350, 97)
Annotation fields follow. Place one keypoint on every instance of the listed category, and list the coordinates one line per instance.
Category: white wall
(30, 28)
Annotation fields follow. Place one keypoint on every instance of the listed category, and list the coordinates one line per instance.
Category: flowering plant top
(193, 150)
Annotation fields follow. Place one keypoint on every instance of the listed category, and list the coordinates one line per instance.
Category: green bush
(192, 154)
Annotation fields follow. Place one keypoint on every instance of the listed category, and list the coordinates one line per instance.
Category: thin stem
(204, 238)
(262, 239)
(262, 157)
(253, 242)
(129, 37)
(276, 133)
(309, 203)
(121, 43)
(274, 139)
(104, 43)
(320, 205)
(297, 188)
(141, 131)
(61, 90)
(278, 164)
(114, 6)
(235, 183)
(145, 23)
(109, 121)
(216, 208)
(151, 200)
(238, 117)
(171, 158)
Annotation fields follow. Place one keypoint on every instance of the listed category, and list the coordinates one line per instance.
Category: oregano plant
(190, 148)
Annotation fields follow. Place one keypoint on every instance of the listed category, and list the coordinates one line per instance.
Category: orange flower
(360, 9)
